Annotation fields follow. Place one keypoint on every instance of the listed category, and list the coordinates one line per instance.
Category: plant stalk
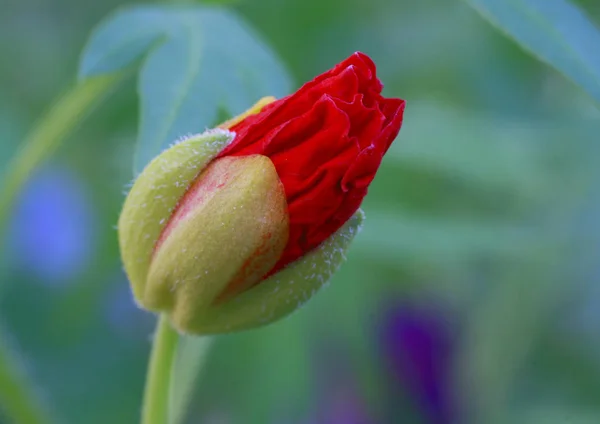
(48, 134)
(155, 407)
(18, 398)
(19, 401)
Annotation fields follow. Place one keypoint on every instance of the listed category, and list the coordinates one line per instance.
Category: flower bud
(230, 230)
(196, 243)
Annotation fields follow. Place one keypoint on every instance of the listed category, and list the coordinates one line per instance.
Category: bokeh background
(471, 296)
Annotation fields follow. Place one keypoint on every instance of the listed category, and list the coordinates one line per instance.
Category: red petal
(326, 141)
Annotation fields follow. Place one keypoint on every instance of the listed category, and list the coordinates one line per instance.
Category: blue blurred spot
(417, 343)
(53, 227)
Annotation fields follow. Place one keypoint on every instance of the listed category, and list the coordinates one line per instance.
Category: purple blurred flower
(52, 231)
(417, 343)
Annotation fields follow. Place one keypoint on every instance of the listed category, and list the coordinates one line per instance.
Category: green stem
(155, 408)
(18, 403)
(18, 399)
(192, 353)
(49, 133)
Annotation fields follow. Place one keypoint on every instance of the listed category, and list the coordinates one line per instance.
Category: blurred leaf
(191, 356)
(45, 137)
(555, 414)
(198, 60)
(390, 236)
(503, 330)
(567, 366)
(11, 129)
(555, 31)
(20, 402)
(484, 150)
(258, 376)
(227, 2)
(121, 39)
(489, 151)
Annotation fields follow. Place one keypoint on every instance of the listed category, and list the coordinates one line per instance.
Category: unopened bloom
(237, 227)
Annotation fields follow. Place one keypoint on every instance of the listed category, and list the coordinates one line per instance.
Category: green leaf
(555, 31)
(121, 39)
(254, 375)
(551, 413)
(440, 240)
(490, 152)
(504, 328)
(197, 61)
(191, 355)
(19, 401)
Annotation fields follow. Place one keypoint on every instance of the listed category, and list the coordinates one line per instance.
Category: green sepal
(155, 194)
(282, 293)
(231, 230)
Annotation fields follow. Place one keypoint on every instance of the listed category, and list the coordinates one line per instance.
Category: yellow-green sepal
(283, 292)
(230, 230)
(155, 194)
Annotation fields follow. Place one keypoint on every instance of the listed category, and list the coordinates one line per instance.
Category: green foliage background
(487, 203)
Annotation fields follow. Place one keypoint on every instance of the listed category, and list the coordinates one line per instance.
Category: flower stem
(155, 409)
(60, 120)
(19, 405)
(18, 399)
